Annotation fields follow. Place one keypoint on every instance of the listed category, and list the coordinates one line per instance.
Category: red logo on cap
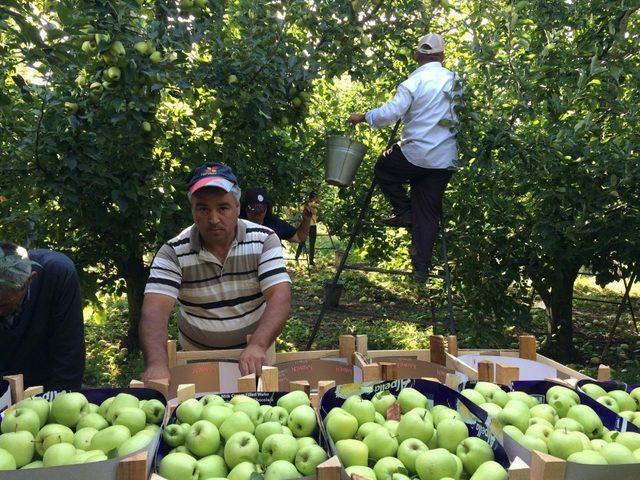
(211, 170)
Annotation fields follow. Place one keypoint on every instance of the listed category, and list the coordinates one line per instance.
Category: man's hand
(307, 212)
(156, 372)
(252, 359)
(356, 118)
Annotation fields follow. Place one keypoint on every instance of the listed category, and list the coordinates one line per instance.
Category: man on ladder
(426, 155)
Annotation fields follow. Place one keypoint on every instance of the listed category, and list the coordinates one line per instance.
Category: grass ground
(392, 312)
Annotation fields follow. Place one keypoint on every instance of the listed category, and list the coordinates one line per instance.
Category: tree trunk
(559, 303)
(135, 275)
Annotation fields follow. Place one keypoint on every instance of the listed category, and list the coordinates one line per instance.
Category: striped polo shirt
(220, 303)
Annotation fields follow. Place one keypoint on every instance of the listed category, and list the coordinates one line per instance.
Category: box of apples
(256, 435)
(79, 435)
(410, 429)
(556, 420)
(617, 396)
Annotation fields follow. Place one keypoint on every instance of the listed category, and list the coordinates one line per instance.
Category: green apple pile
(429, 444)
(71, 430)
(627, 405)
(562, 427)
(214, 439)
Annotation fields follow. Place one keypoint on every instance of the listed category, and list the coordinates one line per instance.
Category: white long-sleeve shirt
(421, 102)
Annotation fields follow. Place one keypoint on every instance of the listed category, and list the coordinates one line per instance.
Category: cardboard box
(475, 418)
(542, 464)
(113, 469)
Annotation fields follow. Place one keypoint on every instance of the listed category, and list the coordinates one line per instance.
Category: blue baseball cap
(212, 174)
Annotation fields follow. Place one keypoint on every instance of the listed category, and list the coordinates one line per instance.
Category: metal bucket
(344, 156)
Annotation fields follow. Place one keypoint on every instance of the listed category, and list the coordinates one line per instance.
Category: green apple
(154, 411)
(117, 48)
(92, 420)
(281, 470)
(237, 422)
(19, 444)
(137, 442)
(242, 447)
(490, 471)
(109, 439)
(392, 426)
(51, 434)
(145, 126)
(635, 394)
(450, 433)
(181, 449)
(279, 447)
(82, 437)
(265, 429)
(381, 444)
(59, 454)
(232, 79)
(243, 471)
(523, 397)
(597, 444)
(382, 401)
(513, 432)
(589, 420)
(352, 452)
(562, 404)
(486, 388)
(202, 439)
(624, 400)
(104, 406)
(491, 408)
(92, 408)
(308, 458)
(379, 419)
(302, 421)
(440, 413)
(498, 396)
(132, 418)
(543, 432)
(410, 398)
(7, 462)
(559, 390)
(593, 390)
(34, 464)
(631, 440)
(39, 405)
(609, 402)
(365, 429)
(361, 471)
(515, 413)
(142, 47)
(588, 457)
(216, 414)
(211, 399)
(473, 452)
(179, 466)
(287, 431)
(189, 411)
(436, 464)
(563, 443)
(152, 427)
(363, 410)
(113, 73)
(341, 425)
(569, 424)
(544, 411)
(122, 400)
(212, 466)
(276, 414)
(155, 57)
(174, 435)
(293, 399)
(244, 398)
(617, 454)
(414, 425)
(251, 409)
(408, 452)
(20, 419)
(533, 443)
(387, 466)
(66, 409)
(88, 46)
(473, 395)
(305, 441)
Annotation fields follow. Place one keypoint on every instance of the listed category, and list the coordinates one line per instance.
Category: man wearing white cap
(227, 274)
(425, 156)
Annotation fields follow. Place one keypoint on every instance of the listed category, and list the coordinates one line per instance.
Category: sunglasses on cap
(256, 208)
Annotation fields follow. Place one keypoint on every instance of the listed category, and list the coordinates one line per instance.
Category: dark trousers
(313, 233)
(392, 171)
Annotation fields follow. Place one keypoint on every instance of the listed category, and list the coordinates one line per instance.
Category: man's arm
(66, 341)
(278, 298)
(302, 231)
(387, 114)
(154, 321)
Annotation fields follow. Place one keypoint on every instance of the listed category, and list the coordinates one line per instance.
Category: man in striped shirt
(227, 274)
